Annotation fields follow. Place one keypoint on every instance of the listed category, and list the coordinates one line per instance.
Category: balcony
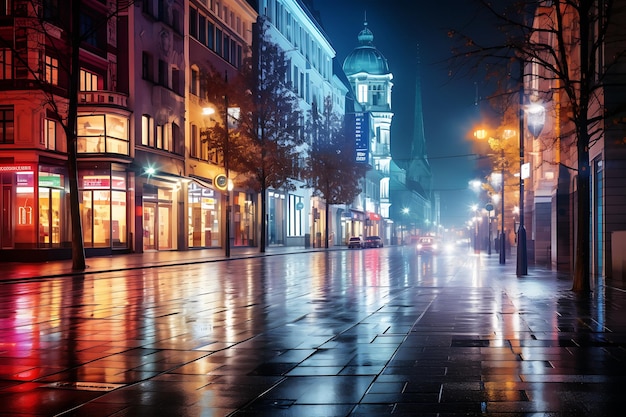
(103, 97)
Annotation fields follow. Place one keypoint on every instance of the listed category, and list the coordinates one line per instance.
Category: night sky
(401, 28)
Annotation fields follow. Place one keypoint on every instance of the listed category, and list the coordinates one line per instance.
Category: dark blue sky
(449, 112)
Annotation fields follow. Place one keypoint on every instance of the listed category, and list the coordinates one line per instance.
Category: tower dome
(365, 58)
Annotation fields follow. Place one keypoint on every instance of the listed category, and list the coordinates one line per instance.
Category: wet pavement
(372, 332)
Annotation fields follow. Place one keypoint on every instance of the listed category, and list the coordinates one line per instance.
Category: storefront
(160, 216)
(36, 222)
(104, 207)
(204, 205)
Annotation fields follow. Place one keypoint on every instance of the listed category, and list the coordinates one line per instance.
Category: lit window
(147, 130)
(362, 93)
(51, 68)
(88, 81)
(49, 137)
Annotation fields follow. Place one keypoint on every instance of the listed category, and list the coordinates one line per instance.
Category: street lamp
(536, 121)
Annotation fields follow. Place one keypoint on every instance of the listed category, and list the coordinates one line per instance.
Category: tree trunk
(326, 218)
(78, 249)
(263, 217)
(582, 277)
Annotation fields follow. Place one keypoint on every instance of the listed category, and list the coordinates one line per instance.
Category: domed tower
(368, 73)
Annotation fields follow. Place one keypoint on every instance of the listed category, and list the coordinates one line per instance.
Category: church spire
(418, 145)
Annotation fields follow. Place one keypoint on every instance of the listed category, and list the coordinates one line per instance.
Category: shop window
(103, 208)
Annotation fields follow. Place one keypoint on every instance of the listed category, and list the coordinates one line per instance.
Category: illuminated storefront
(103, 207)
(204, 216)
(160, 217)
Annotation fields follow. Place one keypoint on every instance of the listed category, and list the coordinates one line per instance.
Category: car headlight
(434, 246)
(419, 246)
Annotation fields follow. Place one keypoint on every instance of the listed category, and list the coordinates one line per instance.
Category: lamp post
(502, 235)
(228, 183)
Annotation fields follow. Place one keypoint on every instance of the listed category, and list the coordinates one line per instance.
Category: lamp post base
(522, 253)
(502, 249)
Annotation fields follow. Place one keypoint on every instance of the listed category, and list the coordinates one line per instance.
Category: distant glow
(480, 134)
(207, 111)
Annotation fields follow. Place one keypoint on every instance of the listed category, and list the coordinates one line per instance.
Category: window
(193, 23)
(163, 73)
(6, 124)
(218, 41)
(146, 7)
(193, 148)
(103, 133)
(226, 49)
(88, 81)
(51, 70)
(5, 7)
(362, 93)
(6, 65)
(50, 10)
(202, 29)
(49, 137)
(176, 84)
(147, 130)
(210, 39)
(178, 144)
(147, 67)
(195, 78)
(89, 30)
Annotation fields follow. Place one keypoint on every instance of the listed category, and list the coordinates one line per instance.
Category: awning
(374, 216)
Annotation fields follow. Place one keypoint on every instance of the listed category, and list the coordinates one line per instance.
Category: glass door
(6, 236)
(149, 225)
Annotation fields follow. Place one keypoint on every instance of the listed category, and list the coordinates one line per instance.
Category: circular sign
(489, 207)
(221, 181)
(299, 206)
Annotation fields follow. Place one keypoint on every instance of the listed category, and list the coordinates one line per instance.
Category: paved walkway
(121, 262)
(378, 332)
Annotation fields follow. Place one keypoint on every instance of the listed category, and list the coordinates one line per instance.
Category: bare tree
(332, 171)
(574, 49)
(45, 26)
(265, 141)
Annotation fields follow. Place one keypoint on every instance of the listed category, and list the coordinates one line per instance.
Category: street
(370, 332)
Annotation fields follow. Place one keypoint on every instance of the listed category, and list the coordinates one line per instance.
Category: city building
(551, 198)
(36, 82)
(220, 38)
(296, 216)
(371, 83)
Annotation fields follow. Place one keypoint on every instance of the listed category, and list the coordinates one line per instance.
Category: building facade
(551, 200)
(371, 83)
(297, 217)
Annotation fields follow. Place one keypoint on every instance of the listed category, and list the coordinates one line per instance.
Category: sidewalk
(122, 262)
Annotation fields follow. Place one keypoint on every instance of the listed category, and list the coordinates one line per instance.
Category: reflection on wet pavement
(341, 333)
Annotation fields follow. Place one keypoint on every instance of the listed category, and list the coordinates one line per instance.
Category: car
(373, 242)
(355, 242)
(427, 244)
